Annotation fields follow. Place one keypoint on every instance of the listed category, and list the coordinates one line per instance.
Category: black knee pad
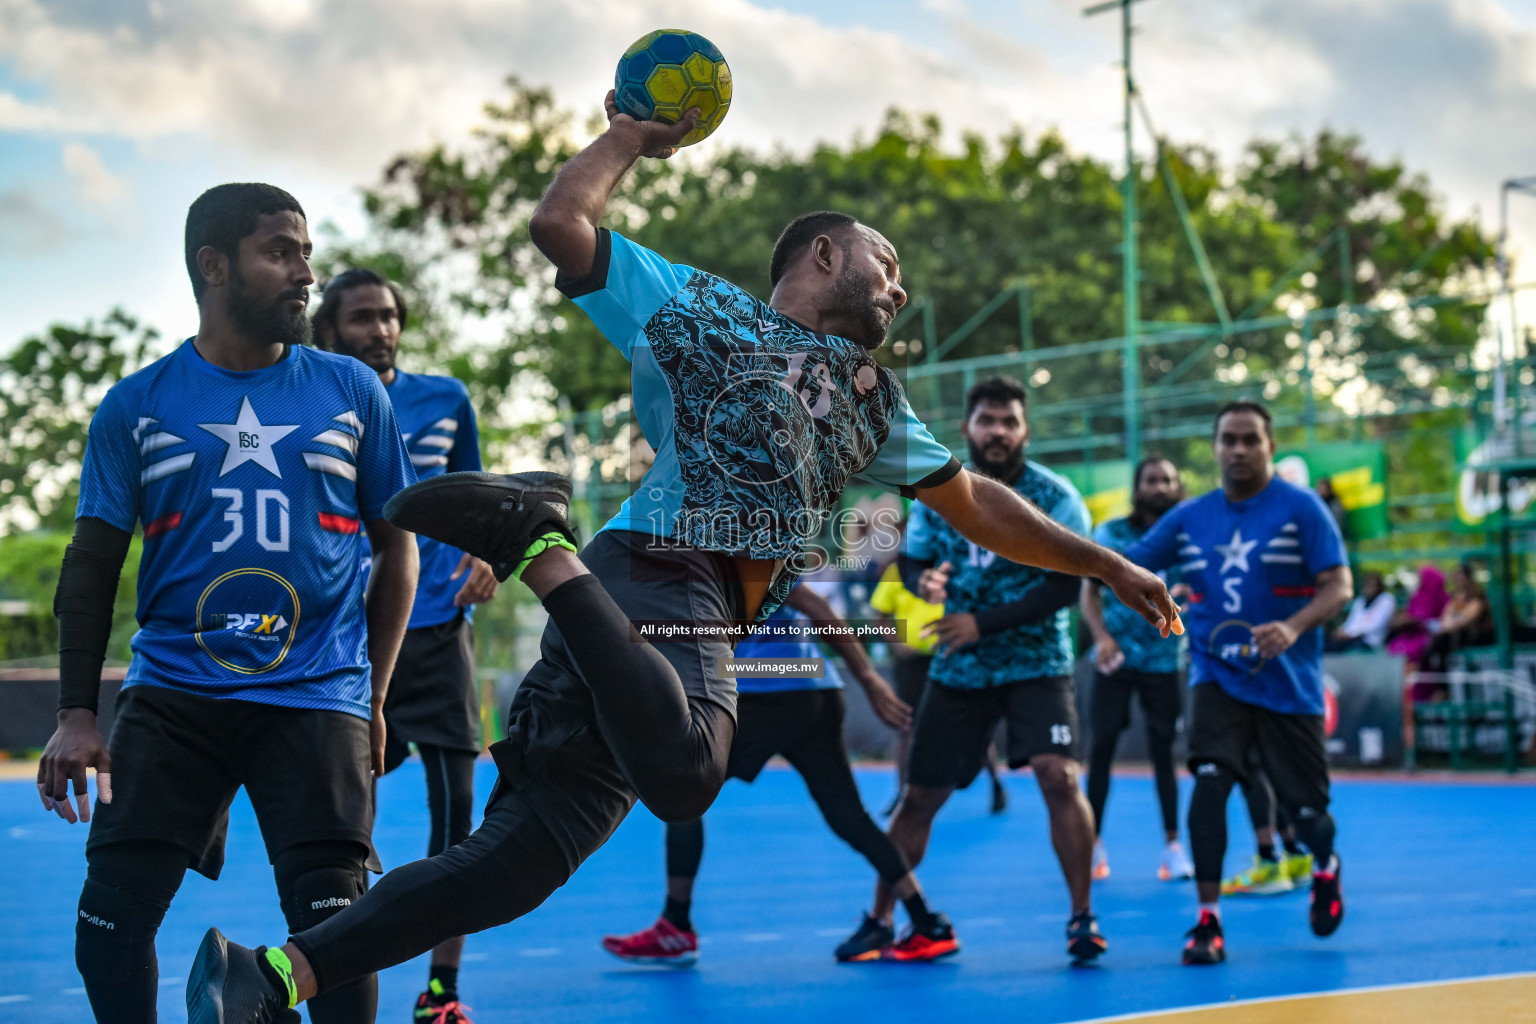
(318, 880)
(115, 951)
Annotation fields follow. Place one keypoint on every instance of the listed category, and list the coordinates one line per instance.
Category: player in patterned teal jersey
(760, 415)
(1130, 658)
(256, 465)
(1006, 656)
(434, 696)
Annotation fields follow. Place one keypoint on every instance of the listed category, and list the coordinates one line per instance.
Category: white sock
(1213, 908)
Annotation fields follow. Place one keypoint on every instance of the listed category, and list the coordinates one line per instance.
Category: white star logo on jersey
(249, 440)
(1235, 552)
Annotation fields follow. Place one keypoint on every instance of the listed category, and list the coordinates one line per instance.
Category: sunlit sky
(115, 114)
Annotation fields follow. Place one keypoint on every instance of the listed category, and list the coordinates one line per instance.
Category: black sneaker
(1206, 943)
(493, 517)
(227, 986)
(872, 941)
(1085, 944)
(1328, 899)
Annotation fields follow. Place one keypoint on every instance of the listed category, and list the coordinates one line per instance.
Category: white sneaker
(1100, 862)
(1175, 865)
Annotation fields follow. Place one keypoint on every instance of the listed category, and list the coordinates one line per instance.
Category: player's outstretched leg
(670, 741)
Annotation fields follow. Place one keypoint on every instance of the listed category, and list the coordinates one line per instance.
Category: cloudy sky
(115, 114)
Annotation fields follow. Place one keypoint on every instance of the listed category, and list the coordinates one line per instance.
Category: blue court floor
(1440, 880)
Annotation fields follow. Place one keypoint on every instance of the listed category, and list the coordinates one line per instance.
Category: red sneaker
(661, 943)
(935, 942)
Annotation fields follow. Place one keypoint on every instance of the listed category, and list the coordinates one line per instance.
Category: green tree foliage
(29, 573)
(49, 387)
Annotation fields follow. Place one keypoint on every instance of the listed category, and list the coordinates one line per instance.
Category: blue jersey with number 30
(1248, 563)
(253, 489)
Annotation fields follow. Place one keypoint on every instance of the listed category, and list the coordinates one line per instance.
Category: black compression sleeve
(1046, 597)
(83, 604)
(911, 570)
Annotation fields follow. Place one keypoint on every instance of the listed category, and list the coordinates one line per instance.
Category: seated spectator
(1410, 632)
(1467, 621)
(1370, 616)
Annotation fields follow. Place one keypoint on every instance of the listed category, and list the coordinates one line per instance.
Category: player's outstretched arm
(564, 227)
(891, 709)
(998, 519)
(391, 591)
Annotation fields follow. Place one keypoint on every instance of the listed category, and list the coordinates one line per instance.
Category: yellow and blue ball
(666, 72)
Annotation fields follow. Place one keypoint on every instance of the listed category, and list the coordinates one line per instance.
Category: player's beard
(987, 460)
(267, 322)
(859, 298)
(1149, 508)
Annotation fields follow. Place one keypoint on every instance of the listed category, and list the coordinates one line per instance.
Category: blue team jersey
(253, 489)
(437, 423)
(763, 644)
(758, 422)
(1144, 648)
(1248, 563)
(982, 579)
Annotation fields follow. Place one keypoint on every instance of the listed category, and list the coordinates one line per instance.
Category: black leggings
(669, 739)
(450, 795)
(820, 757)
(1161, 703)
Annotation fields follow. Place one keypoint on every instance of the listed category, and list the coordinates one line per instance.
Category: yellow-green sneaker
(1265, 878)
(1297, 867)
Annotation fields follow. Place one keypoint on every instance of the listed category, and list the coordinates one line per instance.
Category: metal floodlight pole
(1500, 382)
(1131, 375)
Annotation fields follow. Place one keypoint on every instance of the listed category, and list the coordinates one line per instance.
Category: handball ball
(666, 72)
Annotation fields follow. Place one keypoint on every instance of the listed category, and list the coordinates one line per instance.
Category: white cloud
(97, 186)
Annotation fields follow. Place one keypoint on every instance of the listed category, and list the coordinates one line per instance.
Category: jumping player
(1266, 566)
(801, 718)
(760, 415)
(1131, 659)
(255, 464)
(1006, 656)
(434, 697)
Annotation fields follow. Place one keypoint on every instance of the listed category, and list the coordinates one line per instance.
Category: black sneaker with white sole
(493, 517)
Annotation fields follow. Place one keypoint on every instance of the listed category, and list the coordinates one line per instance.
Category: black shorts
(1291, 749)
(911, 678)
(952, 728)
(433, 696)
(179, 759)
(554, 754)
(771, 723)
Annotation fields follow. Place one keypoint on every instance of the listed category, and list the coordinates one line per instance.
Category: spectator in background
(1369, 619)
(1409, 634)
(1467, 621)
(1334, 502)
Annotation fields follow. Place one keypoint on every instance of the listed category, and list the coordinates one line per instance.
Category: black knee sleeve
(685, 848)
(1315, 828)
(315, 882)
(1208, 819)
(115, 951)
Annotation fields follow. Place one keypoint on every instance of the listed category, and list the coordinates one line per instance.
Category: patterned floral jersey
(983, 579)
(757, 421)
(1144, 648)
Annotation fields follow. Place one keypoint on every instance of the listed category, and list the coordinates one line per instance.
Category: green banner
(1105, 486)
(1477, 488)
(1358, 472)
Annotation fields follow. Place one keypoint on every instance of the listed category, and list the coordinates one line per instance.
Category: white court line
(168, 982)
(1049, 917)
(73, 992)
(1525, 892)
(14, 999)
(541, 951)
(1366, 990)
(829, 933)
(984, 922)
(1126, 913)
(475, 957)
(764, 937)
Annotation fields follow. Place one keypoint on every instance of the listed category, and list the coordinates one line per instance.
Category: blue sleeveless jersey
(253, 489)
(757, 421)
(437, 424)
